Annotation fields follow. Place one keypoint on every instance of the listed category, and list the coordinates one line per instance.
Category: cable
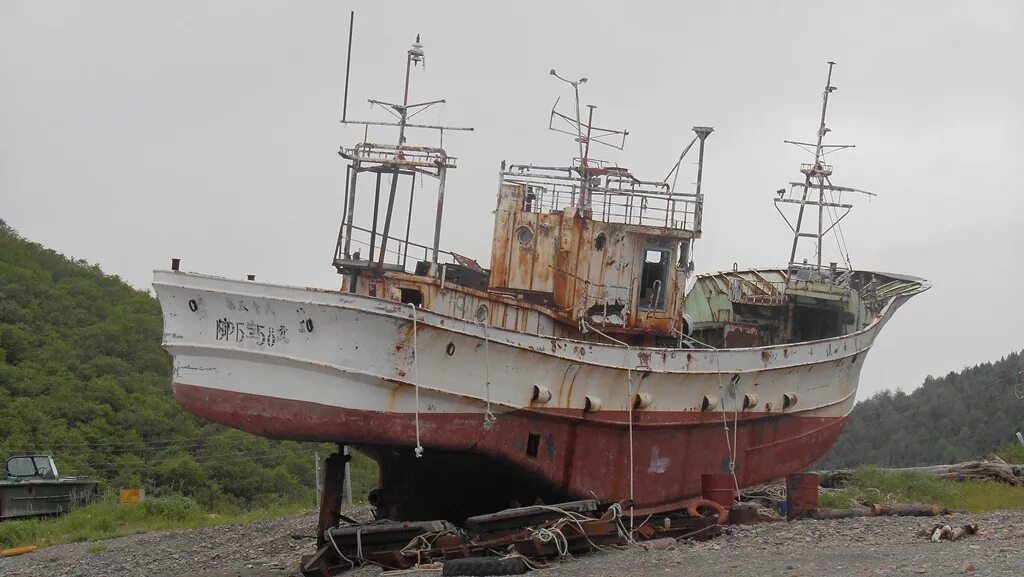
(629, 388)
(416, 375)
(732, 444)
(489, 417)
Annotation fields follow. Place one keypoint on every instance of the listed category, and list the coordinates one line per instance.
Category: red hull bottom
(531, 453)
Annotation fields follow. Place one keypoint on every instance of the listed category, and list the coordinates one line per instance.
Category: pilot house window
(653, 279)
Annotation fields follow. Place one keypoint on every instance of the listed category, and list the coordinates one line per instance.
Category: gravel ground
(865, 546)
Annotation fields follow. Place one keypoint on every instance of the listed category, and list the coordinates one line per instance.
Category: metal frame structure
(395, 161)
(817, 177)
(622, 197)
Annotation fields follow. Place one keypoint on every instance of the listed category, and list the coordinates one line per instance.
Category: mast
(817, 179)
(817, 158)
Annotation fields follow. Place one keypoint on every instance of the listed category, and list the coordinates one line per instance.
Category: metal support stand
(330, 504)
(440, 213)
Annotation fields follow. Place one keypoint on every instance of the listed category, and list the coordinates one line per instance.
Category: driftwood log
(991, 469)
(899, 509)
(906, 510)
(844, 513)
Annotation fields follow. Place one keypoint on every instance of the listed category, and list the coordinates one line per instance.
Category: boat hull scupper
(571, 418)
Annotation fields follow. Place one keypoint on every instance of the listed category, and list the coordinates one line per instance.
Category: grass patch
(871, 485)
(107, 519)
(1013, 453)
(97, 548)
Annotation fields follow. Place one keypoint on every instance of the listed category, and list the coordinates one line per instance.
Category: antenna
(559, 122)
(414, 56)
(817, 176)
(348, 64)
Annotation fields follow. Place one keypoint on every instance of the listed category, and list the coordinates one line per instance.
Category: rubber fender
(485, 566)
(693, 509)
(18, 551)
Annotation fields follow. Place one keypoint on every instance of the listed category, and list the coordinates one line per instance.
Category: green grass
(97, 548)
(107, 519)
(1013, 453)
(871, 485)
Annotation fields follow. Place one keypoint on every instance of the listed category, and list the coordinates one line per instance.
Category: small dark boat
(34, 488)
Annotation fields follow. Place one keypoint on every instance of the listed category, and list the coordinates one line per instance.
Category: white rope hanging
(729, 443)
(489, 417)
(629, 404)
(416, 376)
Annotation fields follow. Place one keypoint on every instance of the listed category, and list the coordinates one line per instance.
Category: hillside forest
(957, 417)
(83, 377)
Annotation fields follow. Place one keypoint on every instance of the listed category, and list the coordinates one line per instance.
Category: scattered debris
(994, 469)
(942, 531)
(503, 543)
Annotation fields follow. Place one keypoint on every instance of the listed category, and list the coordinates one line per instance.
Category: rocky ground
(864, 546)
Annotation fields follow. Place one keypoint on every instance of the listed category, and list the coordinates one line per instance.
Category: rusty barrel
(801, 495)
(718, 488)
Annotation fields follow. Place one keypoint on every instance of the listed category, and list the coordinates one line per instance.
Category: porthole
(193, 305)
(482, 313)
(450, 349)
(600, 241)
(524, 234)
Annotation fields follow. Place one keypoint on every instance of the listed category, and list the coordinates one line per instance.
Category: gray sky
(131, 132)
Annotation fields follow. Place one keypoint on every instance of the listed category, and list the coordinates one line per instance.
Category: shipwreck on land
(578, 366)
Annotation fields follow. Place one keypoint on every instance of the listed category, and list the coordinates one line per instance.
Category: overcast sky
(133, 132)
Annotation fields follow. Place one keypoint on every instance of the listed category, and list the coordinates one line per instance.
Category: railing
(765, 292)
(819, 169)
(810, 273)
(421, 156)
(400, 254)
(616, 196)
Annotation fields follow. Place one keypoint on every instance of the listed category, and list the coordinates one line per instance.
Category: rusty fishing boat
(578, 365)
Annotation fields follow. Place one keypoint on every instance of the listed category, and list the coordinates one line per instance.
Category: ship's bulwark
(341, 369)
(572, 460)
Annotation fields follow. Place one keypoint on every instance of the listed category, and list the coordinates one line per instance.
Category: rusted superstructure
(577, 365)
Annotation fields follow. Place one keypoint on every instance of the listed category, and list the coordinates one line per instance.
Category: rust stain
(645, 358)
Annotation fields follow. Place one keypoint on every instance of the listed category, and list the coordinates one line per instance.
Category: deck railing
(616, 196)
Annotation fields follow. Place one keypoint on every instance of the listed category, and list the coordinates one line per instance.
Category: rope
(351, 563)
(568, 518)
(556, 535)
(629, 404)
(730, 444)
(625, 534)
(416, 375)
(489, 417)
(359, 544)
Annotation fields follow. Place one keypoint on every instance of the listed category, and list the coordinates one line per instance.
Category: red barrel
(801, 495)
(718, 488)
